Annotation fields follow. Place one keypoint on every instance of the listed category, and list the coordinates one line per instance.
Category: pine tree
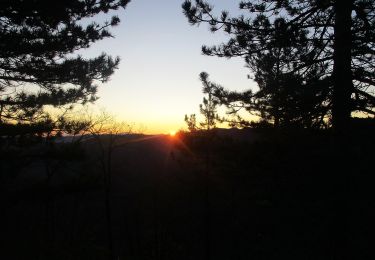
(289, 99)
(208, 108)
(38, 64)
(327, 41)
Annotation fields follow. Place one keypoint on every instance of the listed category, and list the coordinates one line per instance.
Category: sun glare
(172, 133)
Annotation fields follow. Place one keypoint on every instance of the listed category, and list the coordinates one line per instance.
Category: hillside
(265, 198)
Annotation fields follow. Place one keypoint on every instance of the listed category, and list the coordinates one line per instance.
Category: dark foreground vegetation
(226, 194)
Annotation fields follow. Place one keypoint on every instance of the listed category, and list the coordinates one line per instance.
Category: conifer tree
(328, 42)
(38, 64)
(208, 108)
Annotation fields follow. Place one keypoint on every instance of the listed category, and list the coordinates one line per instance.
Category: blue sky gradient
(157, 82)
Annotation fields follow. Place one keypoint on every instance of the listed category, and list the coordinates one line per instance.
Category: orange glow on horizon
(172, 133)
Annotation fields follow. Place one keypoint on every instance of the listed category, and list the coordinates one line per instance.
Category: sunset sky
(157, 82)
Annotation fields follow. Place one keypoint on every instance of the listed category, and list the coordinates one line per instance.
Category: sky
(157, 82)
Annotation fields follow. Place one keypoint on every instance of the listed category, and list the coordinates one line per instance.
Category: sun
(172, 133)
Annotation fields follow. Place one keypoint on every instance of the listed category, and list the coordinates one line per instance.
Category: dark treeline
(294, 184)
(229, 194)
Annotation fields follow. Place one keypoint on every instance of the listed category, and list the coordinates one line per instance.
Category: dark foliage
(208, 108)
(261, 194)
(304, 197)
(38, 66)
(312, 57)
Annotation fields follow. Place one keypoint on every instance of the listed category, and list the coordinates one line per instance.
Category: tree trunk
(341, 112)
(342, 74)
